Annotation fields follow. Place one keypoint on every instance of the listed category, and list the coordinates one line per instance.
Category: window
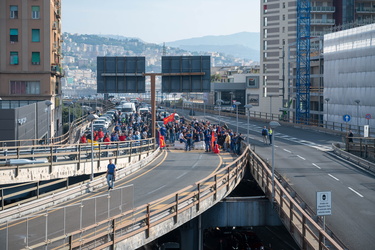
(35, 58)
(283, 5)
(13, 12)
(13, 57)
(24, 87)
(13, 35)
(35, 12)
(283, 17)
(35, 35)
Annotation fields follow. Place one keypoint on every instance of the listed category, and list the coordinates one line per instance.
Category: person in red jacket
(96, 136)
(122, 137)
(100, 134)
(107, 139)
(83, 139)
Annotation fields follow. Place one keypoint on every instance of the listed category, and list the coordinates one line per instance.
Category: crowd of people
(214, 136)
(126, 127)
(136, 126)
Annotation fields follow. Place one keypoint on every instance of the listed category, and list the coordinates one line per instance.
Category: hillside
(243, 45)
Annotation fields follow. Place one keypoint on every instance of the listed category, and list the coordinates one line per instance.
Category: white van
(127, 108)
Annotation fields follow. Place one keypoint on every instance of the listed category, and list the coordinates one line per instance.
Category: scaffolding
(303, 62)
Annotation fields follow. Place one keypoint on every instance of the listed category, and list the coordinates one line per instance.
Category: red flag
(169, 118)
(162, 141)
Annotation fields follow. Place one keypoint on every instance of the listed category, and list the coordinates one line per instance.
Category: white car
(102, 122)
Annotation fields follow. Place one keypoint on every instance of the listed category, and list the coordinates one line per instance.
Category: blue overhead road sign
(346, 118)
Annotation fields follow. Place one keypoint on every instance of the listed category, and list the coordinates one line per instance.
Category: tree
(215, 78)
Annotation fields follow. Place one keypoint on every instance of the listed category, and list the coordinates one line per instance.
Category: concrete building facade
(30, 62)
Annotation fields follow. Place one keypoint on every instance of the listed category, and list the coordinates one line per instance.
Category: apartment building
(30, 62)
(278, 49)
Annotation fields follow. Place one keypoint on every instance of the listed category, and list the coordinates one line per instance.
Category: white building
(349, 75)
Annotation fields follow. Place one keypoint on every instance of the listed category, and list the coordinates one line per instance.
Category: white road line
(356, 192)
(301, 157)
(286, 150)
(195, 165)
(316, 166)
(333, 177)
(153, 191)
(181, 175)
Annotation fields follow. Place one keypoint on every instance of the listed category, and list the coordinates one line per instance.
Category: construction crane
(303, 62)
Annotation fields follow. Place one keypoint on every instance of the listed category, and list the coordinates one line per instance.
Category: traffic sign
(346, 118)
(368, 116)
(323, 203)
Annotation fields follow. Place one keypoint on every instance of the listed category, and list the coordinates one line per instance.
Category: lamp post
(69, 104)
(91, 118)
(358, 101)
(96, 103)
(327, 100)
(237, 104)
(48, 104)
(174, 100)
(248, 107)
(204, 107)
(231, 100)
(219, 102)
(273, 125)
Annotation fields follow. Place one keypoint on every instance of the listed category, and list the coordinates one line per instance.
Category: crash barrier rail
(339, 150)
(168, 212)
(56, 156)
(57, 222)
(340, 127)
(300, 221)
(362, 147)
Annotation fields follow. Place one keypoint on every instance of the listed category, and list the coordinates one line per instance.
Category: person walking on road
(270, 133)
(264, 134)
(111, 174)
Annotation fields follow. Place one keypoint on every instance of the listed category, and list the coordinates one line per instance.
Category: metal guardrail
(61, 156)
(337, 149)
(307, 233)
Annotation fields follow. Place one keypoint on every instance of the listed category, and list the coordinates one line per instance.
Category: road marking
(195, 165)
(153, 191)
(356, 192)
(316, 166)
(181, 175)
(301, 157)
(333, 177)
(286, 150)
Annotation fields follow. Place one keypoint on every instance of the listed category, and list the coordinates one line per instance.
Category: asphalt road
(303, 157)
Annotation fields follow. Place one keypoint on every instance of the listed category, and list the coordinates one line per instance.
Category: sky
(158, 21)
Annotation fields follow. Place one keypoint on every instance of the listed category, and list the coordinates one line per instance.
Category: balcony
(322, 21)
(365, 10)
(57, 70)
(323, 9)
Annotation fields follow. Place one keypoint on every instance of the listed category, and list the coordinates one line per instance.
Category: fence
(74, 155)
(56, 223)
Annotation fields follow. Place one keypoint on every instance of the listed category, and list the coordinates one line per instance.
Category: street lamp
(69, 104)
(219, 102)
(248, 107)
(273, 125)
(48, 104)
(358, 101)
(327, 100)
(91, 118)
(204, 107)
(231, 99)
(237, 103)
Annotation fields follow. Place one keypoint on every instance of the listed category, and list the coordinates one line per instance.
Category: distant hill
(244, 45)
